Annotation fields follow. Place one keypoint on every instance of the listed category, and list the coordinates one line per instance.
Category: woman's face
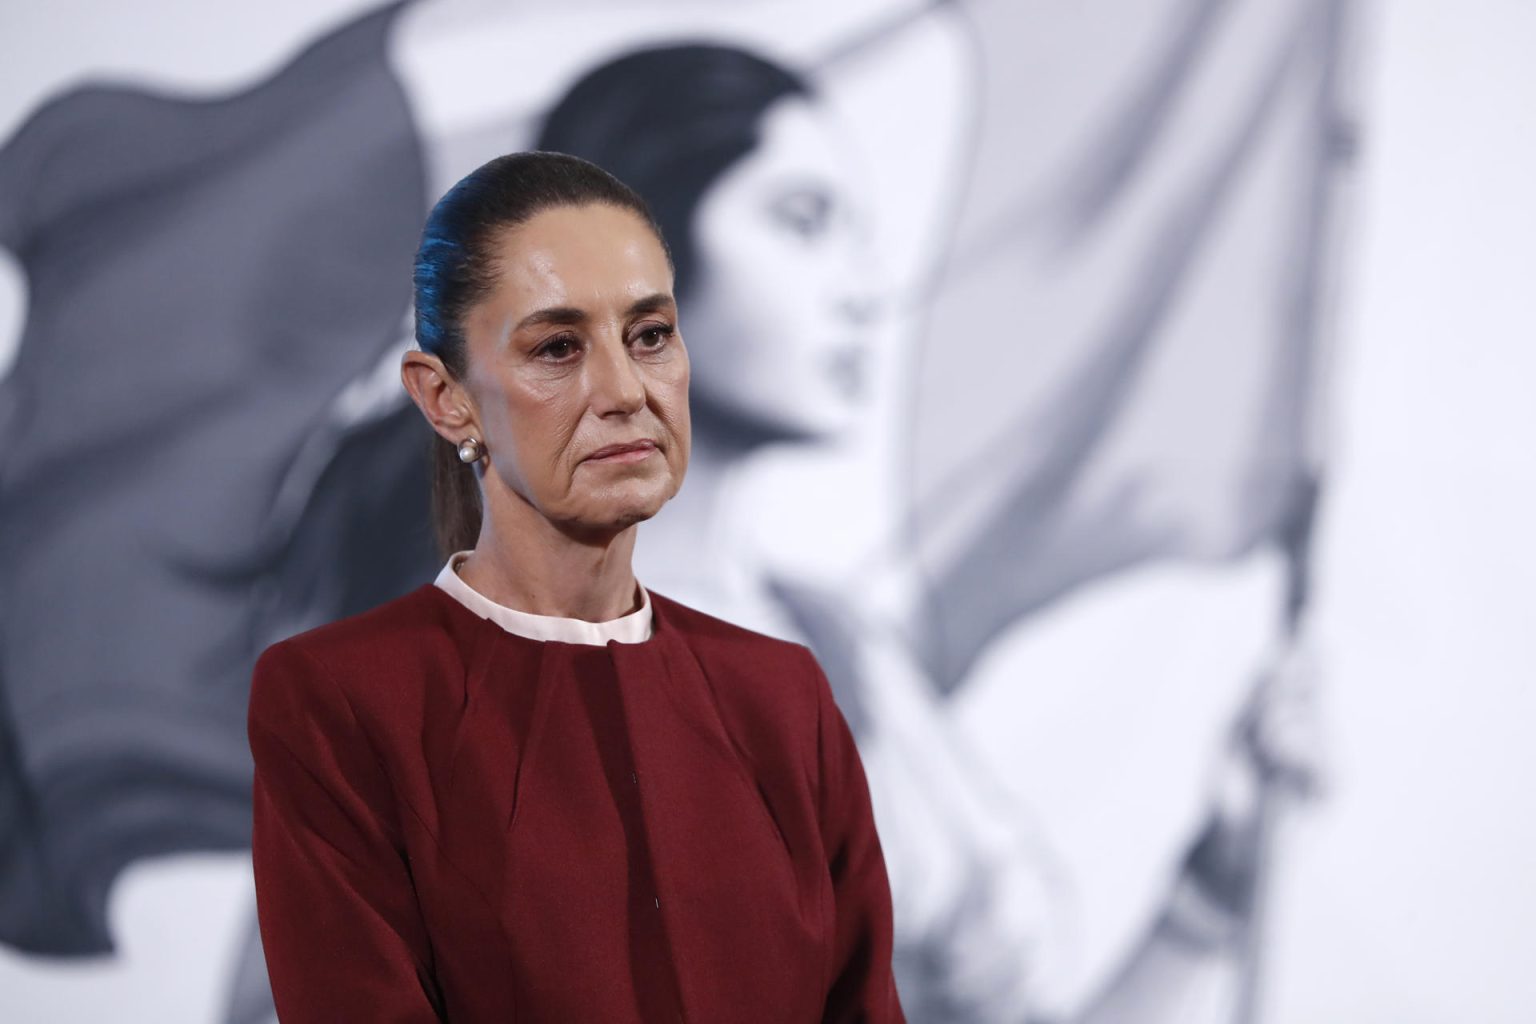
(576, 349)
(780, 310)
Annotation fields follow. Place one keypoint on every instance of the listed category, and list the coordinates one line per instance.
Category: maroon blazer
(457, 823)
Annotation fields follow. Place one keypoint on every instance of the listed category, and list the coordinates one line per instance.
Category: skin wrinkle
(573, 315)
(575, 347)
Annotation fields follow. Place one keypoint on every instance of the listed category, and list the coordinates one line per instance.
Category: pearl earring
(470, 450)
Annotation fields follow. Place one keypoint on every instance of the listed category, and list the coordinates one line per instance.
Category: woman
(534, 790)
(759, 197)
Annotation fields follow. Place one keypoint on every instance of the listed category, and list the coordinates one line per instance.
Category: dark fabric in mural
(205, 278)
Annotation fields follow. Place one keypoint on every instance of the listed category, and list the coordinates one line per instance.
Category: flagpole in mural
(1292, 766)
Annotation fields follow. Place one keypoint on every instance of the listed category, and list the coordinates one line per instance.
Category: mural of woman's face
(779, 311)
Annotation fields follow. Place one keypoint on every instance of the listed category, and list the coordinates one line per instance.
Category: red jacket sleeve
(862, 986)
(340, 926)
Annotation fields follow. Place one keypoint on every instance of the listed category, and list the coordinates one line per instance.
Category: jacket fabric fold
(454, 822)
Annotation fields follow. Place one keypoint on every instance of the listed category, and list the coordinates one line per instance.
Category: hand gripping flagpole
(1285, 770)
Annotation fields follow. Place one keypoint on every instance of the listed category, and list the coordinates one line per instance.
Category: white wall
(1409, 896)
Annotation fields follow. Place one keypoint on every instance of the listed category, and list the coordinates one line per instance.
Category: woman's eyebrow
(652, 303)
(572, 315)
(552, 315)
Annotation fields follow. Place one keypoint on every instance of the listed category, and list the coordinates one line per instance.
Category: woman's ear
(440, 397)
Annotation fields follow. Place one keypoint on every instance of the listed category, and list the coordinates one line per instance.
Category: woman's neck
(524, 561)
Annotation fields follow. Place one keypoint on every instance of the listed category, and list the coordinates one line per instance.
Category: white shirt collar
(627, 629)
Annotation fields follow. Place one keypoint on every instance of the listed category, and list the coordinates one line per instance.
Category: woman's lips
(623, 453)
(847, 367)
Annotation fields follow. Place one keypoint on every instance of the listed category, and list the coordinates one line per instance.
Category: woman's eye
(806, 212)
(654, 337)
(558, 348)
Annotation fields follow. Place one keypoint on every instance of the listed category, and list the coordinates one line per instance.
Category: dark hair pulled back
(456, 268)
(670, 120)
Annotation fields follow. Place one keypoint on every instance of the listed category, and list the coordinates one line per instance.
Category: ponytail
(455, 499)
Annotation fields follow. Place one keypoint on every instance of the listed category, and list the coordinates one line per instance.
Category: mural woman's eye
(805, 211)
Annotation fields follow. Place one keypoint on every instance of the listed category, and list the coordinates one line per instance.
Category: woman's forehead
(581, 255)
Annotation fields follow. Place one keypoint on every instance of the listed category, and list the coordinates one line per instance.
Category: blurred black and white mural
(1119, 398)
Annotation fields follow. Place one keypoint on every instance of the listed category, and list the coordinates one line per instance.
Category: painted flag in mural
(1123, 366)
(1137, 259)
(185, 475)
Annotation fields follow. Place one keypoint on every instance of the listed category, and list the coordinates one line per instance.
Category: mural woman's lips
(846, 364)
(629, 451)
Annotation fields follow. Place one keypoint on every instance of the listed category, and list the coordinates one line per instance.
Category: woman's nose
(616, 385)
(860, 298)
(860, 308)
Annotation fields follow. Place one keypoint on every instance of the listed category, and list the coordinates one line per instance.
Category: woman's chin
(618, 508)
